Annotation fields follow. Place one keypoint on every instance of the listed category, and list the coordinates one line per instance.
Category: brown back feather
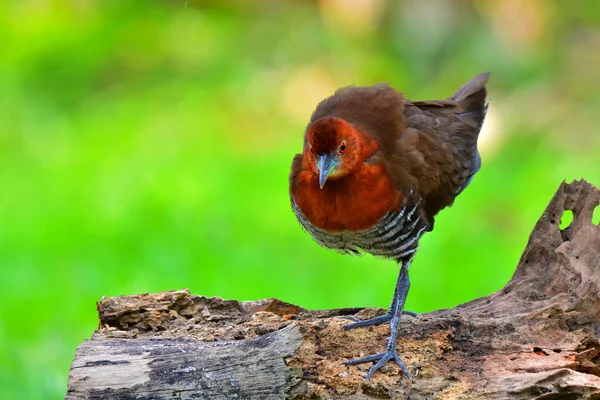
(444, 152)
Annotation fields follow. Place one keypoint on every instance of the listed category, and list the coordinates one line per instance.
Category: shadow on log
(537, 338)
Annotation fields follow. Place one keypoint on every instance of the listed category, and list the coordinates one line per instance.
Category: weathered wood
(181, 368)
(537, 338)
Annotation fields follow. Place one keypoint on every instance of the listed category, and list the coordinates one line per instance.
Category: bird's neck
(356, 201)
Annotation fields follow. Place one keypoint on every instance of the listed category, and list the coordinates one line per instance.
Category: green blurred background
(146, 145)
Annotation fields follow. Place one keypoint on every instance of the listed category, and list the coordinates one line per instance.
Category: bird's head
(333, 148)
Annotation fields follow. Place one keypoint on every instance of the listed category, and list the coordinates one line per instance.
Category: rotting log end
(536, 338)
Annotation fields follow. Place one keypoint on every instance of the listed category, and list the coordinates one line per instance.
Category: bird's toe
(382, 359)
(358, 323)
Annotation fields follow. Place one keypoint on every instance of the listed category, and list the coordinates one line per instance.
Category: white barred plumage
(395, 236)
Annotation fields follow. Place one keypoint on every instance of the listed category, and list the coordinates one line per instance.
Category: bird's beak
(326, 163)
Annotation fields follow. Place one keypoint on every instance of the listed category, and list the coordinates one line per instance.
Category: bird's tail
(471, 100)
(471, 96)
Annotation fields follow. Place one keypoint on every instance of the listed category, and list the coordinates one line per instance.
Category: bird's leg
(390, 353)
(357, 323)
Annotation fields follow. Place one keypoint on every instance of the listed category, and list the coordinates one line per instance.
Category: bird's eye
(342, 147)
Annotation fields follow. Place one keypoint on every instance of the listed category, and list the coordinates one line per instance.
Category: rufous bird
(376, 169)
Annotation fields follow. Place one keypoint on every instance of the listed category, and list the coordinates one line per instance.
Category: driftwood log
(537, 338)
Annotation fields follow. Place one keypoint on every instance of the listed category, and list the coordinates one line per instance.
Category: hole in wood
(565, 220)
(539, 351)
(596, 216)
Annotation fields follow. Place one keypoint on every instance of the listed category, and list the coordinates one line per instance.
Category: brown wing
(437, 151)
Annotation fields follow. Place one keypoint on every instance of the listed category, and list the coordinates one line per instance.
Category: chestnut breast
(354, 202)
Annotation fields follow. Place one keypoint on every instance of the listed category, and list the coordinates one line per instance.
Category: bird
(375, 170)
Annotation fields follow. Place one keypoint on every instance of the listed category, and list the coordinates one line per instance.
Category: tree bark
(537, 338)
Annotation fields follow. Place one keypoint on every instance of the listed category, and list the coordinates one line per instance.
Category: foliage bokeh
(145, 146)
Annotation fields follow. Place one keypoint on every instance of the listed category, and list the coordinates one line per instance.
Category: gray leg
(396, 308)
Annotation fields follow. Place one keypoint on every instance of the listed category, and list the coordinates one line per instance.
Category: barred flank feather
(395, 236)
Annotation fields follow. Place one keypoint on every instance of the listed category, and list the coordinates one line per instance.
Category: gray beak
(326, 163)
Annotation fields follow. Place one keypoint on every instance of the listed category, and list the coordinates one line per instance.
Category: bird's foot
(372, 321)
(382, 358)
